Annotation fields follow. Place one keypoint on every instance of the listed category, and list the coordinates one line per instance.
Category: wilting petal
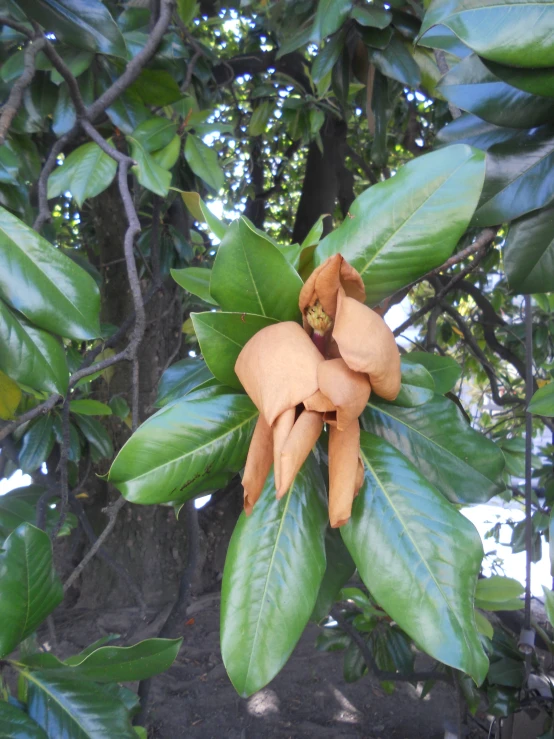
(258, 464)
(347, 390)
(298, 445)
(324, 283)
(281, 430)
(344, 452)
(319, 402)
(278, 368)
(367, 344)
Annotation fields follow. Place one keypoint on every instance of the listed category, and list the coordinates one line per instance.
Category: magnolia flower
(323, 373)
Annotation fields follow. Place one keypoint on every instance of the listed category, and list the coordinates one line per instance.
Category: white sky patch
(18, 480)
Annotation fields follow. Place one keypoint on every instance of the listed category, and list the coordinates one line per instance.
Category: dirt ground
(308, 699)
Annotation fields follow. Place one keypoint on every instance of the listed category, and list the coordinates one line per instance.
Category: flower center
(318, 319)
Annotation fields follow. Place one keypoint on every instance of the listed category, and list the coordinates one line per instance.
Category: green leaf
(9, 166)
(295, 40)
(395, 61)
(195, 280)
(86, 172)
(250, 274)
(354, 666)
(76, 61)
(534, 81)
(128, 111)
(329, 17)
(65, 707)
(542, 402)
(260, 118)
(155, 133)
(519, 178)
(204, 162)
(10, 396)
(417, 388)
(14, 512)
(518, 33)
(168, 156)
(16, 724)
(149, 173)
(96, 435)
(88, 407)
(156, 87)
(474, 88)
(392, 236)
(429, 557)
(200, 212)
(43, 284)
(86, 24)
(529, 252)
(29, 586)
(338, 571)
(181, 378)
(327, 58)
(483, 625)
(274, 567)
(468, 129)
(511, 604)
(174, 453)
(445, 371)
(462, 463)
(369, 15)
(37, 444)
(497, 588)
(506, 671)
(64, 116)
(221, 337)
(549, 603)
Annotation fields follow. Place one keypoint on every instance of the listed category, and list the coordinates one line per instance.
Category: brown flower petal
(278, 368)
(258, 464)
(281, 430)
(348, 390)
(344, 451)
(300, 442)
(324, 283)
(367, 344)
(319, 402)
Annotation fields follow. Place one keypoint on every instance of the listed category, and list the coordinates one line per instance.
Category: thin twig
(11, 106)
(62, 466)
(529, 389)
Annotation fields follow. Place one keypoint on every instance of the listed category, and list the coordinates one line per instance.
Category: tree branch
(11, 106)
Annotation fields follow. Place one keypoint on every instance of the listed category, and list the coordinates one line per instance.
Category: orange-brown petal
(281, 430)
(324, 283)
(298, 445)
(348, 390)
(278, 368)
(344, 451)
(359, 476)
(367, 344)
(258, 464)
(319, 402)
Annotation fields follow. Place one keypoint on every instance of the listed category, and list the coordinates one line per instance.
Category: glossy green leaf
(534, 81)
(9, 166)
(88, 407)
(327, 57)
(180, 378)
(43, 284)
(519, 178)
(37, 444)
(549, 603)
(483, 625)
(339, 569)
(86, 24)
(429, 557)
(29, 586)
(155, 133)
(445, 371)
(393, 235)
(529, 252)
(274, 567)
(295, 40)
(204, 162)
(372, 16)
(79, 709)
(462, 463)
(14, 512)
(542, 402)
(195, 280)
(10, 397)
(16, 724)
(474, 88)
(149, 173)
(497, 588)
(176, 451)
(468, 129)
(77, 62)
(169, 155)
(203, 214)
(260, 118)
(95, 434)
(417, 388)
(250, 274)
(156, 87)
(64, 116)
(128, 111)
(395, 61)
(518, 33)
(329, 17)
(86, 172)
(221, 337)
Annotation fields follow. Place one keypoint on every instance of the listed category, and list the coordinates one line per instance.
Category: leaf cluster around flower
(323, 373)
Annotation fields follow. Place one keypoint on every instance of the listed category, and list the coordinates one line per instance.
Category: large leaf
(329, 17)
(542, 402)
(204, 162)
(202, 213)
(31, 356)
(37, 444)
(445, 371)
(86, 172)
(519, 33)
(529, 252)
(86, 24)
(534, 81)
(339, 569)
(462, 463)
(393, 235)
(155, 133)
(173, 455)
(428, 556)
(180, 378)
(196, 280)
(149, 173)
(43, 284)
(520, 178)
(14, 512)
(222, 336)
(417, 387)
(395, 61)
(29, 586)
(250, 274)
(156, 87)
(468, 129)
(274, 567)
(76, 709)
(474, 88)
(16, 724)
(10, 396)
